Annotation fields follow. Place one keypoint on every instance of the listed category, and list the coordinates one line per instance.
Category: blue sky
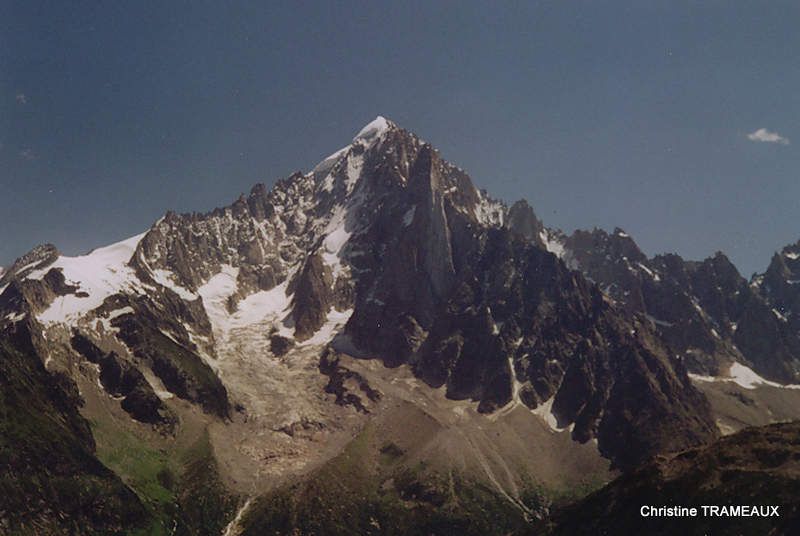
(643, 115)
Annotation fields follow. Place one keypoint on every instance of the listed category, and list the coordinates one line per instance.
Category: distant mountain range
(374, 346)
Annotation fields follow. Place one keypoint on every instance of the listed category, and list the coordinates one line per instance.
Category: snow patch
(29, 266)
(333, 325)
(552, 244)
(215, 293)
(649, 272)
(165, 279)
(327, 184)
(15, 317)
(658, 322)
(327, 164)
(337, 237)
(106, 321)
(408, 217)
(354, 166)
(99, 274)
(516, 386)
(119, 312)
(156, 385)
(743, 376)
(545, 411)
(515, 401)
(747, 378)
(495, 328)
(233, 529)
(271, 305)
(780, 315)
(373, 130)
(488, 212)
(259, 310)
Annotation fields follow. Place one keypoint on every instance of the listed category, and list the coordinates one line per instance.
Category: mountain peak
(374, 129)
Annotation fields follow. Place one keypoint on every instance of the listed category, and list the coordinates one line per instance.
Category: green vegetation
(50, 480)
(181, 490)
(205, 505)
(144, 468)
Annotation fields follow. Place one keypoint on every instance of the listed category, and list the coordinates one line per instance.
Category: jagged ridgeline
(380, 344)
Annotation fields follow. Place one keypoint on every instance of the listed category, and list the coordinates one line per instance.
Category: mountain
(381, 307)
(706, 311)
(736, 337)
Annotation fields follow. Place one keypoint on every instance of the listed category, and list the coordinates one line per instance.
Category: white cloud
(764, 135)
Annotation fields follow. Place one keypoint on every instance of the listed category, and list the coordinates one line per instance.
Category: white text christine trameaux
(744, 510)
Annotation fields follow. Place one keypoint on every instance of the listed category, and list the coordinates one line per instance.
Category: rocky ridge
(708, 314)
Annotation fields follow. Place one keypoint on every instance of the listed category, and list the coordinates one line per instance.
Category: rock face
(349, 388)
(312, 297)
(518, 327)
(124, 380)
(472, 304)
(181, 370)
(523, 222)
